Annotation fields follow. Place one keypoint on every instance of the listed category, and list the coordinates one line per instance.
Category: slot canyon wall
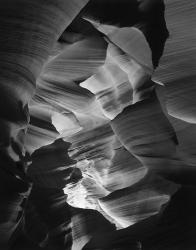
(97, 124)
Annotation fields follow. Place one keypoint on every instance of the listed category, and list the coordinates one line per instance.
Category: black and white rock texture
(97, 124)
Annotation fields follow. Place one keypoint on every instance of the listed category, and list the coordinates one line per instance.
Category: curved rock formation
(97, 142)
(83, 226)
(30, 29)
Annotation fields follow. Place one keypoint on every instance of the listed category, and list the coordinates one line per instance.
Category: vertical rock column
(143, 127)
(29, 29)
(51, 170)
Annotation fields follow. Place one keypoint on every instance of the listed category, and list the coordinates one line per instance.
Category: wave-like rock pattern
(138, 201)
(97, 127)
(30, 29)
(167, 230)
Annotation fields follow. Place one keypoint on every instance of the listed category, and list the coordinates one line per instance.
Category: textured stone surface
(97, 128)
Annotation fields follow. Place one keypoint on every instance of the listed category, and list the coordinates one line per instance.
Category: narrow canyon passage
(97, 124)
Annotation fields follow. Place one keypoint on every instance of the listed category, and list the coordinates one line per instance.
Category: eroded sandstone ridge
(97, 124)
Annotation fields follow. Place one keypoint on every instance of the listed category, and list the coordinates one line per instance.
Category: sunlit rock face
(28, 44)
(97, 143)
(124, 171)
(126, 68)
(137, 202)
(93, 150)
(92, 144)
